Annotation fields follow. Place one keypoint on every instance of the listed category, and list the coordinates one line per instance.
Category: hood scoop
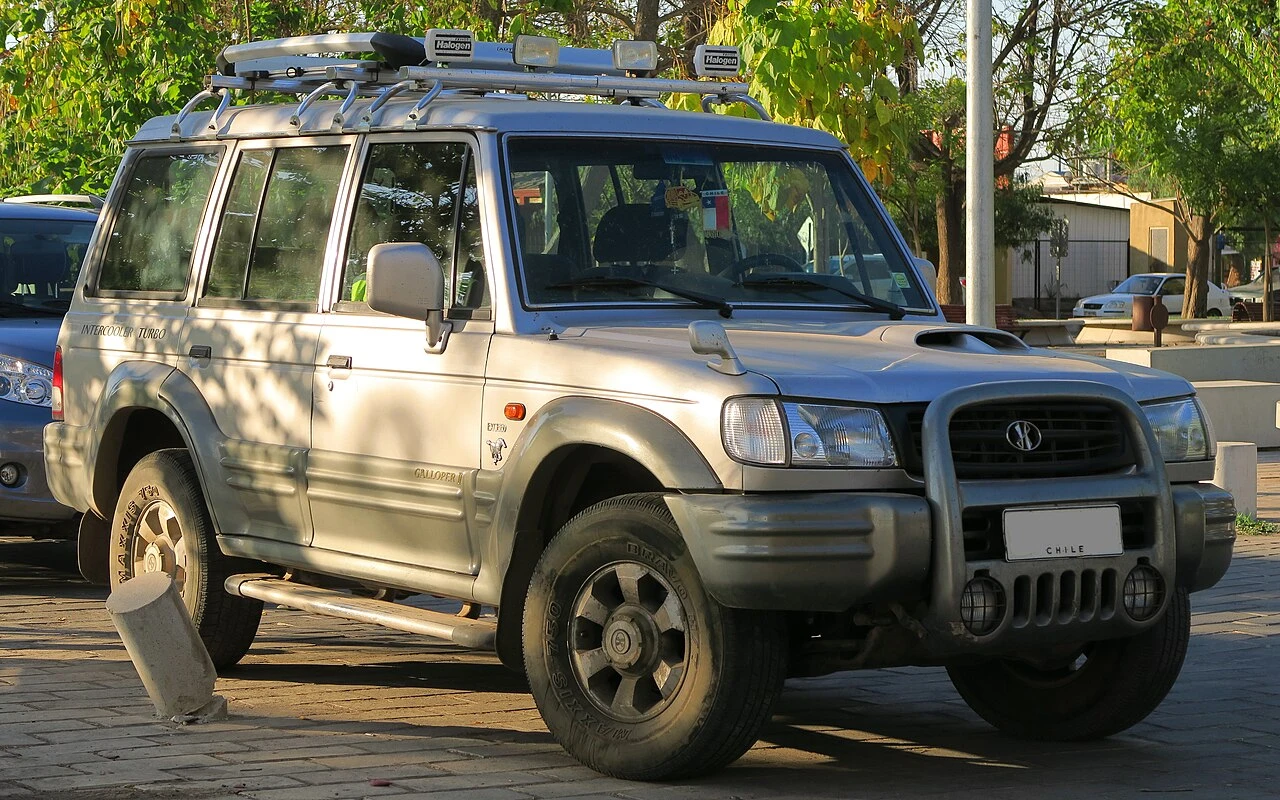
(958, 339)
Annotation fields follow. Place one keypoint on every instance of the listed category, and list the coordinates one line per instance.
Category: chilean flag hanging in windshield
(715, 210)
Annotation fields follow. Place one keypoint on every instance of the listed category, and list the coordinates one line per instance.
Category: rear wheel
(636, 670)
(1088, 693)
(161, 525)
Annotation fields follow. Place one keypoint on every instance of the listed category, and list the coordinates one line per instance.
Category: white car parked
(1168, 286)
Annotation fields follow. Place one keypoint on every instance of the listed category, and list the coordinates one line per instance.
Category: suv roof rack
(93, 201)
(314, 66)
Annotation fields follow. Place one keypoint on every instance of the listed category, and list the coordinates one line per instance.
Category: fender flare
(144, 385)
(131, 385)
(513, 545)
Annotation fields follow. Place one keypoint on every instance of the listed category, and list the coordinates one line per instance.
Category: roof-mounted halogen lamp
(716, 61)
(445, 46)
(535, 51)
(635, 57)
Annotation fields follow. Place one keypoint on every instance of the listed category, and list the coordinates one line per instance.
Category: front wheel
(161, 525)
(1093, 692)
(636, 670)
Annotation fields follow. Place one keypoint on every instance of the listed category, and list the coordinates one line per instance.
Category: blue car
(41, 248)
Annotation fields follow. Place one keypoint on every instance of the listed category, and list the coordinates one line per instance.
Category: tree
(81, 76)
(1172, 103)
(825, 65)
(1040, 48)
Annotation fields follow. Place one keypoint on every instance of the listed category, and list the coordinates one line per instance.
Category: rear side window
(275, 226)
(148, 252)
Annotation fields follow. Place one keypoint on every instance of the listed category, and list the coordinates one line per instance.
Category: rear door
(250, 345)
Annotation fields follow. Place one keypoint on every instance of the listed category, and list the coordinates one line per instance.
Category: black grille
(1093, 306)
(1076, 439)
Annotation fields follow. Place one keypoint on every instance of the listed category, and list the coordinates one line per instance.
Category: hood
(1106, 298)
(31, 339)
(877, 362)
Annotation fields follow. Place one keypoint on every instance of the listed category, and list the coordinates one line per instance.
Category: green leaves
(825, 65)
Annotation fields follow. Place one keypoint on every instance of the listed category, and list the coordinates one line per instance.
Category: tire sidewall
(1133, 675)
(593, 541)
(156, 477)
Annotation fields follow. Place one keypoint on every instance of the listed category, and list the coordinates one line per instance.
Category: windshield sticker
(682, 198)
(715, 212)
(900, 278)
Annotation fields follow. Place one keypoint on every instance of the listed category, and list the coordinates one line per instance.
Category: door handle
(200, 351)
(338, 362)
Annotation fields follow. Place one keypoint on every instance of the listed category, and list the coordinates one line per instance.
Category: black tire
(165, 483)
(729, 663)
(1115, 685)
(1213, 312)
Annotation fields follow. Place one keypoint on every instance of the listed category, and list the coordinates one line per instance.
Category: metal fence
(1092, 266)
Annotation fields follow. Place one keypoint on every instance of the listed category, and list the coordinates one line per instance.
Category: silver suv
(659, 399)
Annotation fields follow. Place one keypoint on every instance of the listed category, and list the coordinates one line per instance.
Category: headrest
(633, 232)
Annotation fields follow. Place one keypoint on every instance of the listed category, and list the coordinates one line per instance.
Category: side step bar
(476, 634)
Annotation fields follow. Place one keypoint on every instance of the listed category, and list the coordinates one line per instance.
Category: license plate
(1076, 532)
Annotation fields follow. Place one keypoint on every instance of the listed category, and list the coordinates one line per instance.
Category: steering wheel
(745, 265)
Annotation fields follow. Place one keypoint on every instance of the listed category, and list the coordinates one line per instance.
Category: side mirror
(930, 274)
(406, 280)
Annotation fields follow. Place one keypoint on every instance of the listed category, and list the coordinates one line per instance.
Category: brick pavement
(325, 708)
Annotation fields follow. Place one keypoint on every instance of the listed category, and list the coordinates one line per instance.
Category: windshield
(633, 221)
(39, 262)
(1140, 284)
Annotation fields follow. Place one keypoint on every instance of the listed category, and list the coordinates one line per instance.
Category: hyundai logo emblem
(1023, 435)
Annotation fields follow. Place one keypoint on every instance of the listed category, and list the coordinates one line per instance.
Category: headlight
(24, 382)
(1180, 430)
(1114, 305)
(760, 430)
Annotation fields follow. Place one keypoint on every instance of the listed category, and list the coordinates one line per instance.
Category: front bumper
(21, 444)
(835, 551)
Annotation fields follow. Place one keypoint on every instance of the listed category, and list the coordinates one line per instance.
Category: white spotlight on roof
(450, 45)
(716, 61)
(635, 56)
(535, 51)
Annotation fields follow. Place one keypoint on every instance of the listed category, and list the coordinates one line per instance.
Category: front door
(1171, 295)
(395, 425)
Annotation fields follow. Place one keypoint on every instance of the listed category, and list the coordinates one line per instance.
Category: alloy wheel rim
(158, 544)
(629, 641)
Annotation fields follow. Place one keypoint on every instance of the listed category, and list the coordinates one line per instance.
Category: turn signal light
(514, 411)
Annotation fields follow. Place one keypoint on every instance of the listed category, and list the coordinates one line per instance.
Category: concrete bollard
(1235, 469)
(165, 648)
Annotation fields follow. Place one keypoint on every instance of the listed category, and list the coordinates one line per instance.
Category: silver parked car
(659, 398)
(41, 247)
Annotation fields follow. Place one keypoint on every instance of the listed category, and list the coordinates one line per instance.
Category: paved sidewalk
(329, 709)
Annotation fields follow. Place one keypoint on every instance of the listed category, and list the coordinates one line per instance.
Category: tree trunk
(697, 20)
(1200, 236)
(647, 20)
(950, 211)
(492, 12)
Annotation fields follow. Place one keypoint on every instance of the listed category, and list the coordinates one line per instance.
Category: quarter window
(417, 192)
(149, 249)
(275, 226)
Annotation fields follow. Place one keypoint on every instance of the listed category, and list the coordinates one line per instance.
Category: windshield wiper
(894, 311)
(622, 281)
